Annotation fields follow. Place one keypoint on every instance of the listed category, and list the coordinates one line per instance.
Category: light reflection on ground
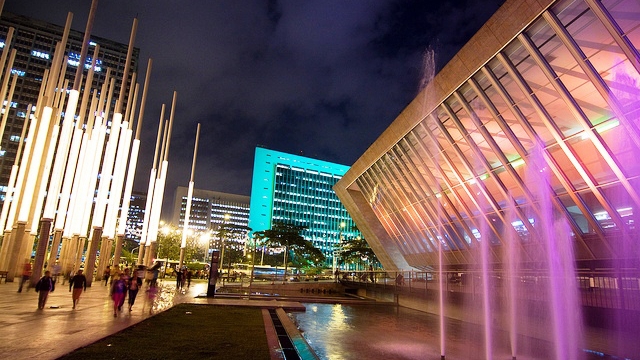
(344, 332)
(165, 295)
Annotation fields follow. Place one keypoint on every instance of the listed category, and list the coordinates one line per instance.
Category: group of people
(183, 276)
(124, 284)
(45, 285)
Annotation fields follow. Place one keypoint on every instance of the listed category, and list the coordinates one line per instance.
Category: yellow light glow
(517, 163)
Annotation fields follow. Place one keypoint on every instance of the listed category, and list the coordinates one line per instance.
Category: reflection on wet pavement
(342, 332)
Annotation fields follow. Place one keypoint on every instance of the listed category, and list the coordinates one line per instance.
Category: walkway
(58, 329)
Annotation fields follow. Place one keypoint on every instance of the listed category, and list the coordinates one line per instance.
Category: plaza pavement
(29, 333)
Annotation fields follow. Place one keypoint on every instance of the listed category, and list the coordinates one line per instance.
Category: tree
(168, 242)
(308, 255)
(232, 236)
(357, 249)
(129, 246)
(288, 236)
(193, 250)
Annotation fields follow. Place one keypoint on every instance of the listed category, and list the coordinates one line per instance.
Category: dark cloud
(318, 78)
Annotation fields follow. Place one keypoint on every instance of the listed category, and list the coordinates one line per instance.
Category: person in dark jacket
(134, 286)
(79, 284)
(179, 275)
(44, 286)
(105, 276)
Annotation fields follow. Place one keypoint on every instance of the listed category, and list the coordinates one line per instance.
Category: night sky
(321, 78)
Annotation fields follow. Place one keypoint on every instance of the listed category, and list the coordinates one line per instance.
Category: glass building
(539, 110)
(34, 42)
(135, 219)
(298, 190)
(209, 209)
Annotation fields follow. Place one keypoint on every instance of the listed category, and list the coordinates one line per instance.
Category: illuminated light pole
(117, 185)
(40, 161)
(8, 68)
(64, 209)
(10, 194)
(223, 240)
(58, 171)
(189, 197)
(133, 161)
(45, 222)
(61, 159)
(101, 199)
(158, 191)
(149, 201)
(20, 237)
(114, 198)
(205, 240)
(80, 179)
(5, 116)
(108, 201)
(336, 252)
(154, 212)
(10, 238)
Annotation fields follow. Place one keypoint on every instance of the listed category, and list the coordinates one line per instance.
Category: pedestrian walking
(189, 275)
(79, 284)
(184, 277)
(178, 279)
(126, 279)
(140, 274)
(44, 286)
(134, 286)
(155, 270)
(105, 276)
(152, 292)
(118, 292)
(26, 275)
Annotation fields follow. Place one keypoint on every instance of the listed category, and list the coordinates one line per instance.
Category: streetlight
(205, 238)
(336, 253)
(253, 266)
(132, 251)
(223, 240)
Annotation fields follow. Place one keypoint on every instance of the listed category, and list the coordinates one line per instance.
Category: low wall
(292, 288)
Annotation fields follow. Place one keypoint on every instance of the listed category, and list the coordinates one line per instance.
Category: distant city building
(209, 210)
(35, 42)
(298, 190)
(135, 218)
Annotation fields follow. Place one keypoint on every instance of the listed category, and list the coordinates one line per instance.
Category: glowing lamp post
(337, 252)
(205, 239)
(189, 197)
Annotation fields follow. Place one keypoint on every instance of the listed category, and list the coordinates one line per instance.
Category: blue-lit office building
(299, 190)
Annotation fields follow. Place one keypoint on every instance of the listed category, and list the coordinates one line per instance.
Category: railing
(604, 289)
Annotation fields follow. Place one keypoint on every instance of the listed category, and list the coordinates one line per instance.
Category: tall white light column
(133, 162)
(158, 192)
(187, 213)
